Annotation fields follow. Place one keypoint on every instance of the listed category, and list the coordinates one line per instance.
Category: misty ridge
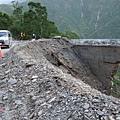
(96, 19)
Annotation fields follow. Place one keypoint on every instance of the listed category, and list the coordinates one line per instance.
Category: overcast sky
(5, 1)
(8, 1)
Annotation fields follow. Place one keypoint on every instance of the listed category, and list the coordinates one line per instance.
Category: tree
(35, 21)
(50, 30)
(38, 18)
(17, 17)
(5, 21)
(71, 35)
(32, 21)
(17, 12)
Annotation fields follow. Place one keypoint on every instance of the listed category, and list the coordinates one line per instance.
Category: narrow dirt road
(15, 42)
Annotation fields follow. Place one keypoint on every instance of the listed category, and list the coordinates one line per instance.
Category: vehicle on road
(5, 38)
(57, 37)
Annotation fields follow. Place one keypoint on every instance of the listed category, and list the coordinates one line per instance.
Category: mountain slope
(6, 8)
(89, 19)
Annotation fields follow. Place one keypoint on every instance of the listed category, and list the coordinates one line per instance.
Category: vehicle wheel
(8, 46)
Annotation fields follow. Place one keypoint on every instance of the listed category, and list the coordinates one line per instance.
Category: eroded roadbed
(44, 80)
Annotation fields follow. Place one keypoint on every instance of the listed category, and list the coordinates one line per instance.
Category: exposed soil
(45, 80)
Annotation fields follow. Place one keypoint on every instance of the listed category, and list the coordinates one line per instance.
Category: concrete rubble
(44, 80)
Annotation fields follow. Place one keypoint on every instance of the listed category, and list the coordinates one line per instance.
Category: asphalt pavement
(15, 42)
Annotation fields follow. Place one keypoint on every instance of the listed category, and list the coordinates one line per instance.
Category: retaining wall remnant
(101, 55)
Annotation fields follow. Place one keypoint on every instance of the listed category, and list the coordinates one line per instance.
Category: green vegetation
(95, 19)
(116, 84)
(71, 34)
(5, 21)
(33, 21)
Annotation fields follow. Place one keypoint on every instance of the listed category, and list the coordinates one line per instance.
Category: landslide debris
(44, 80)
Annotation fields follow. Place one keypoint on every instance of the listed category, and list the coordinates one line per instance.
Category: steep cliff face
(88, 18)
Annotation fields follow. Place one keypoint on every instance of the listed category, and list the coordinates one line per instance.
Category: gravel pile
(41, 81)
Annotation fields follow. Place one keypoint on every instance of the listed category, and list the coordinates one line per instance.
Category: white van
(5, 38)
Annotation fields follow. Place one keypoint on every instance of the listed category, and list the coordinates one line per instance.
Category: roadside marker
(1, 55)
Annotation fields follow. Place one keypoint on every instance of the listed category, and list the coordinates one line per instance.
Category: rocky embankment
(44, 80)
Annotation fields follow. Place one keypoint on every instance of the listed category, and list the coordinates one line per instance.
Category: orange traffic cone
(1, 55)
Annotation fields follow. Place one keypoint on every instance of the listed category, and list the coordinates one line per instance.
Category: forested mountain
(6, 8)
(88, 18)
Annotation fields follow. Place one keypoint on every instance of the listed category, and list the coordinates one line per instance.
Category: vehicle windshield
(3, 34)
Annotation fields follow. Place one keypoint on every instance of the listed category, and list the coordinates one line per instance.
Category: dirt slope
(43, 80)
